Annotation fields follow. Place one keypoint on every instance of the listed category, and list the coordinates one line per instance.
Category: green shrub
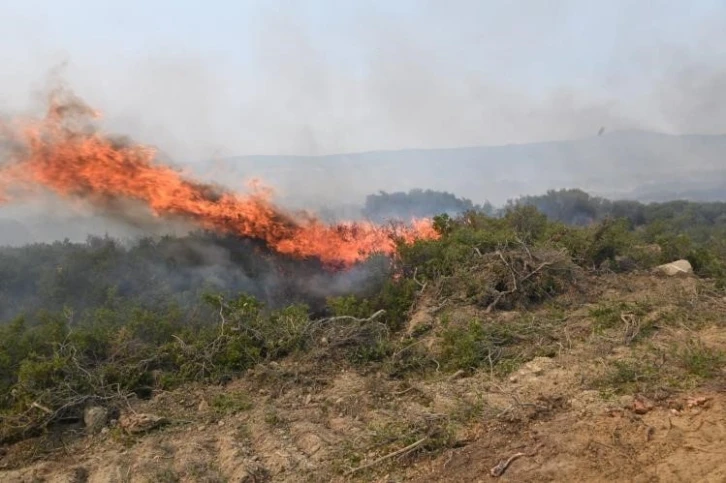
(468, 348)
(699, 360)
(109, 320)
(231, 403)
(630, 375)
(528, 223)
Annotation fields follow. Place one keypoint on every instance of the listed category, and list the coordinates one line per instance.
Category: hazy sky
(220, 78)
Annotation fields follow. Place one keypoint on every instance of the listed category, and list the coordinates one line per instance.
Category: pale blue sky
(311, 77)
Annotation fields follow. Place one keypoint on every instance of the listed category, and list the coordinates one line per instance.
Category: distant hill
(633, 165)
(619, 164)
(699, 186)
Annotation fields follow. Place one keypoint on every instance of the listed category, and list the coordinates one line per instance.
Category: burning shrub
(65, 153)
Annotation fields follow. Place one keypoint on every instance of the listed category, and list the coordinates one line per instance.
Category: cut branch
(400, 452)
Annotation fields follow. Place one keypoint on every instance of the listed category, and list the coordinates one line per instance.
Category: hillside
(594, 401)
(622, 164)
(494, 340)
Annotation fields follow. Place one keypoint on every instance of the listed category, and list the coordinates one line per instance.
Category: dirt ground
(300, 421)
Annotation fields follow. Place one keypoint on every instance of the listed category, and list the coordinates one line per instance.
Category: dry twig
(502, 466)
(399, 452)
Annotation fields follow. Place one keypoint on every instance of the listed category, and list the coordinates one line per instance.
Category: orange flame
(66, 154)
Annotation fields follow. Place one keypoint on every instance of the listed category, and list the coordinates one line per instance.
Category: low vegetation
(97, 337)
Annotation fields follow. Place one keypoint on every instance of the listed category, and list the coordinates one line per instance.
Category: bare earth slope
(621, 382)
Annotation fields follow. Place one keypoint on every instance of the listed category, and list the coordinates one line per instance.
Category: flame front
(66, 154)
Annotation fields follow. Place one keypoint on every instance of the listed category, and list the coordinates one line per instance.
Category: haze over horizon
(223, 79)
(480, 98)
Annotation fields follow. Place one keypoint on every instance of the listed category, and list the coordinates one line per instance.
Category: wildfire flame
(66, 153)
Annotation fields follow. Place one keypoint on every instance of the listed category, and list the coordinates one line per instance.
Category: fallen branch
(419, 283)
(502, 466)
(352, 319)
(404, 349)
(494, 303)
(41, 407)
(346, 330)
(514, 274)
(518, 279)
(457, 374)
(399, 452)
(535, 271)
(524, 245)
(443, 304)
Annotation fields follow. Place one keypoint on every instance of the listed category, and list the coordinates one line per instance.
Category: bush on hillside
(99, 335)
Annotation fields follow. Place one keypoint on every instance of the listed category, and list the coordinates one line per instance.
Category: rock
(692, 402)
(95, 418)
(679, 267)
(626, 401)
(535, 368)
(309, 443)
(642, 406)
(141, 423)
